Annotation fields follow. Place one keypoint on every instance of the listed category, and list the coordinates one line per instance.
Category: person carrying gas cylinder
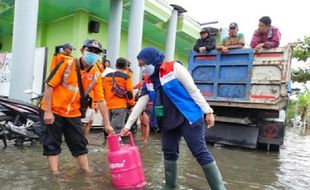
(178, 109)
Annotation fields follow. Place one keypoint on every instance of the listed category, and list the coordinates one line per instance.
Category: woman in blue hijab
(178, 111)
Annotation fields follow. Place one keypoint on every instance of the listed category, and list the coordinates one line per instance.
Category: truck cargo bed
(243, 78)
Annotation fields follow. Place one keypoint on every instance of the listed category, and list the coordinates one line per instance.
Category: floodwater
(25, 167)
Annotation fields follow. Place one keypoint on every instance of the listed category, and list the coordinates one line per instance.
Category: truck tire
(272, 147)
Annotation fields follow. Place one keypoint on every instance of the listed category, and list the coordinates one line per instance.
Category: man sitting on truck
(234, 40)
(206, 42)
(266, 36)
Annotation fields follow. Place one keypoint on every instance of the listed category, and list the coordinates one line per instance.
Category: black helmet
(205, 30)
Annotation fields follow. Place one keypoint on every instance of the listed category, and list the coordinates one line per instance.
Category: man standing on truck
(62, 105)
(206, 42)
(234, 40)
(266, 36)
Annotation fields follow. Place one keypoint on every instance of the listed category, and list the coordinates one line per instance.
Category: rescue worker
(62, 56)
(92, 110)
(61, 106)
(178, 109)
(118, 91)
(129, 71)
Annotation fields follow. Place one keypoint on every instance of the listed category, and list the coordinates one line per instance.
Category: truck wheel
(275, 147)
(271, 147)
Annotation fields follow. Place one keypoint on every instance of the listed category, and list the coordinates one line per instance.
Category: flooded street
(26, 168)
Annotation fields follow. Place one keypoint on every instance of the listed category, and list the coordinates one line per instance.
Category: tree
(302, 49)
(304, 104)
(302, 52)
(301, 75)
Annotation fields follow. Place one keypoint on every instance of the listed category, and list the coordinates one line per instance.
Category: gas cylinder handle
(132, 142)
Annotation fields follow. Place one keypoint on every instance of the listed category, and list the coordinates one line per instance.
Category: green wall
(6, 43)
(57, 33)
(74, 29)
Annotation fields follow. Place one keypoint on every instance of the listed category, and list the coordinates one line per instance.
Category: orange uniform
(58, 58)
(100, 66)
(130, 74)
(113, 101)
(66, 94)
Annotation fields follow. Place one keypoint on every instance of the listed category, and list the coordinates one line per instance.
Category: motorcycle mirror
(28, 91)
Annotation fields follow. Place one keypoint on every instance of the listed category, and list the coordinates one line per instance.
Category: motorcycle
(19, 121)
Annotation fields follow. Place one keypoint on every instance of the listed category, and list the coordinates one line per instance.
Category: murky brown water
(25, 168)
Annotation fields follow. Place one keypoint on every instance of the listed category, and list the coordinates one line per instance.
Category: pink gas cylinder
(125, 164)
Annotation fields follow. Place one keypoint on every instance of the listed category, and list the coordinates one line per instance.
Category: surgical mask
(148, 69)
(90, 58)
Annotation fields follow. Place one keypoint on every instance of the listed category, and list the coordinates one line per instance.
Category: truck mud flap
(271, 132)
(232, 134)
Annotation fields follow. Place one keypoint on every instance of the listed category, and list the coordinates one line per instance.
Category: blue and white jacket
(179, 86)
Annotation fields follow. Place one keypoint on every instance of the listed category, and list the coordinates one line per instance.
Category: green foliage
(291, 109)
(301, 75)
(302, 49)
(303, 105)
(304, 98)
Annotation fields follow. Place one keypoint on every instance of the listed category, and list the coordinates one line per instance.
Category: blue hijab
(151, 55)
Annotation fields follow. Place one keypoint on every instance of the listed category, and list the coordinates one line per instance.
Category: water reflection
(26, 168)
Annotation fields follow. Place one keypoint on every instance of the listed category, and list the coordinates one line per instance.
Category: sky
(291, 17)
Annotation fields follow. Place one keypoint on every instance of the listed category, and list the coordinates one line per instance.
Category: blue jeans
(194, 135)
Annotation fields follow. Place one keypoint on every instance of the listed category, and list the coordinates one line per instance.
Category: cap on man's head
(233, 25)
(93, 44)
(67, 45)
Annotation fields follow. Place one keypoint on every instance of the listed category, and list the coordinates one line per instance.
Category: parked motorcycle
(19, 121)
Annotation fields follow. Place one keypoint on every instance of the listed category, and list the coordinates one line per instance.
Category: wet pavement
(25, 167)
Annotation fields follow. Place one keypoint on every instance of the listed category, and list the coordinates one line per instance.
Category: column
(171, 36)
(23, 48)
(135, 33)
(172, 31)
(114, 30)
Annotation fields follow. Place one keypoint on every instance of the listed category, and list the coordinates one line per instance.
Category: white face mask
(148, 69)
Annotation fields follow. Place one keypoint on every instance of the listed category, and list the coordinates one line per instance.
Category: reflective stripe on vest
(150, 87)
(92, 84)
(65, 77)
(75, 88)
